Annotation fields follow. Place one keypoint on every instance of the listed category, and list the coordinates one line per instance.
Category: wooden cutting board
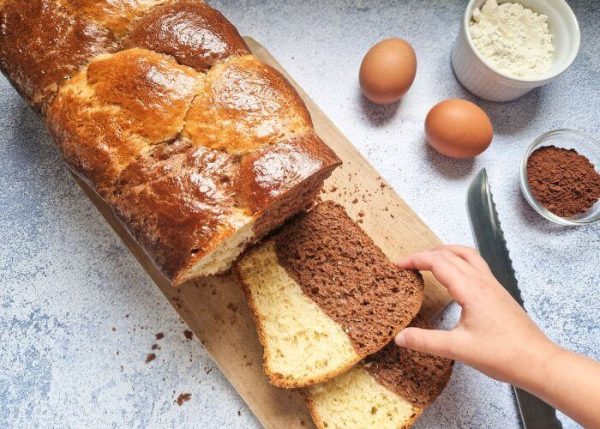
(215, 308)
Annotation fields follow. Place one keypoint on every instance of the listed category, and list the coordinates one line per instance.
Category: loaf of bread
(388, 390)
(198, 146)
(324, 296)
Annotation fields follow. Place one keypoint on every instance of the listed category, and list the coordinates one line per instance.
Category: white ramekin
(480, 77)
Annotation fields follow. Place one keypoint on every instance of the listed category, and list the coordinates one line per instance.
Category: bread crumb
(182, 398)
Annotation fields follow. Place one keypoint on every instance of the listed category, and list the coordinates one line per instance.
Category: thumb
(432, 341)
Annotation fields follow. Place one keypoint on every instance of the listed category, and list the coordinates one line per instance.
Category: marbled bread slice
(388, 390)
(324, 296)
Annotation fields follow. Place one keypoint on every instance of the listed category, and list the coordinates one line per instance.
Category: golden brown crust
(191, 31)
(116, 107)
(245, 105)
(44, 42)
(269, 173)
(139, 112)
(115, 15)
(176, 200)
(41, 45)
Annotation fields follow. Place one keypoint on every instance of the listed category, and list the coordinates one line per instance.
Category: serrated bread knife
(535, 414)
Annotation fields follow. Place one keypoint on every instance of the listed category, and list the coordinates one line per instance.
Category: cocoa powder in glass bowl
(559, 178)
(562, 180)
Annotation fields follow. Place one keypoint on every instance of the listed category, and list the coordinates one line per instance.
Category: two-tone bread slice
(324, 296)
(388, 390)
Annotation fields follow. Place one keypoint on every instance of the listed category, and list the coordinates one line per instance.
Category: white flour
(513, 38)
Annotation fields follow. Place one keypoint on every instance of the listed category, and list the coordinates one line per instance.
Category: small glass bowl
(567, 139)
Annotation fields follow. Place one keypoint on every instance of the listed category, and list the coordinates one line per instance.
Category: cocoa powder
(563, 181)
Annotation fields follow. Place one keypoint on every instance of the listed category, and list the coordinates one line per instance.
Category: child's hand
(494, 335)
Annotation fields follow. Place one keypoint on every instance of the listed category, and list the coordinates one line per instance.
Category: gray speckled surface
(78, 315)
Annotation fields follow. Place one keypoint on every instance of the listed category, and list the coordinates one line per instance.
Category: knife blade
(535, 413)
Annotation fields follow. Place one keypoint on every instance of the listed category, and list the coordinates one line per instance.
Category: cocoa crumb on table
(160, 336)
(150, 357)
(182, 398)
(188, 334)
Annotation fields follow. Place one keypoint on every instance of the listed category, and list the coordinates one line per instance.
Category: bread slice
(388, 390)
(324, 296)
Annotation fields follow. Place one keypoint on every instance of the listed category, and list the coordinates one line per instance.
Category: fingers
(446, 267)
(435, 342)
(468, 254)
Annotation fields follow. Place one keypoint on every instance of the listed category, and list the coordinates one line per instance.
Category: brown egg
(458, 128)
(387, 71)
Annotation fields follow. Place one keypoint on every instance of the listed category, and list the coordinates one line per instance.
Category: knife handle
(535, 413)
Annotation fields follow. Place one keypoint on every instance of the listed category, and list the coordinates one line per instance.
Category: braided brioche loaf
(198, 146)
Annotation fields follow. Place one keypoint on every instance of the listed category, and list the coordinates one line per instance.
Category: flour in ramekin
(515, 39)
